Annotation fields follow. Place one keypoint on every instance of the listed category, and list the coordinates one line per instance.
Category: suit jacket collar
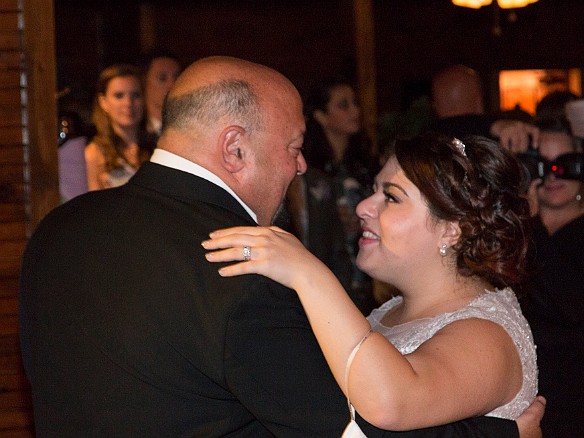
(185, 187)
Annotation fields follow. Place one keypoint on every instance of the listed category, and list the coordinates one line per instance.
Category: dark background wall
(307, 39)
(416, 38)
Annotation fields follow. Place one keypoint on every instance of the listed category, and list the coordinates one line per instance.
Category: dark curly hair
(481, 189)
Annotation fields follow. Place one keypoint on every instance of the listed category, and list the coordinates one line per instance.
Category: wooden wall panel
(10, 231)
(9, 40)
(10, 96)
(28, 165)
(11, 135)
(9, 5)
(9, 118)
(10, 154)
(9, 19)
(41, 108)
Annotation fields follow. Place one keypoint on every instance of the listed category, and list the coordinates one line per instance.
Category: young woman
(336, 144)
(445, 226)
(121, 142)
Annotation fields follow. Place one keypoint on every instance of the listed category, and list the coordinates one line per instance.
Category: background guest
(161, 68)
(121, 142)
(575, 115)
(553, 107)
(458, 103)
(310, 213)
(72, 143)
(554, 295)
(336, 144)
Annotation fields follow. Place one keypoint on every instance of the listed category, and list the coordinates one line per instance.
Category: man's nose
(301, 164)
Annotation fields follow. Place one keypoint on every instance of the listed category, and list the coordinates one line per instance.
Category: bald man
(128, 331)
(458, 103)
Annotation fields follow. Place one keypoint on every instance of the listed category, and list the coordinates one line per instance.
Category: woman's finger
(235, 254)
(250, 231)
(229, 241)
(236, 269)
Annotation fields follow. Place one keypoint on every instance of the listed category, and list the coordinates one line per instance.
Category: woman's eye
(344, 104)
(389, 197)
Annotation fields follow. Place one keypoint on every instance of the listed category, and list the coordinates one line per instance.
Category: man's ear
(233, 149)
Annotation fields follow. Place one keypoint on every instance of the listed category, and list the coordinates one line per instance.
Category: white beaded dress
(499, 306)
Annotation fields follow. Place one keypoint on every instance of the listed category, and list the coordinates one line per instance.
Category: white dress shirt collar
(168, 159)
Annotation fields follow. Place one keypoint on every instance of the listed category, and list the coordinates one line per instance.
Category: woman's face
(556, 192)
(123, 101)
(342, 115)
(398, 235)
(160, 78)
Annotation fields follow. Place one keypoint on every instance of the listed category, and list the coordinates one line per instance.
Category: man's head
(243, 122)
(457, 91)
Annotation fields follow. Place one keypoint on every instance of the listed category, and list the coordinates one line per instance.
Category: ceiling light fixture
(503, 4)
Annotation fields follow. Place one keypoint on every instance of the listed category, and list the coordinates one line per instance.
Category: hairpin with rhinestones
(460, 146)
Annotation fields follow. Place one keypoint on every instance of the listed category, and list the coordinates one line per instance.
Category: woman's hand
(529, 421)
(274, 253)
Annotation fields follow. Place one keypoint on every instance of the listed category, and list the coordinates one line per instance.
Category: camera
(566, 166)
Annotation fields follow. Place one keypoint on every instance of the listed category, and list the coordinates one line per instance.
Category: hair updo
(479, 186)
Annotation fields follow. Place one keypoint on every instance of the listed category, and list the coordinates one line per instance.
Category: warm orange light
(504, 4)
(475, 4)
(510, 4)
(525, 88)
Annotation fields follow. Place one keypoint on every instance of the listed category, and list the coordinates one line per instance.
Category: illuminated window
(523, 89)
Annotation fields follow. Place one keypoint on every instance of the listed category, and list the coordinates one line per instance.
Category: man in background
(458, 103)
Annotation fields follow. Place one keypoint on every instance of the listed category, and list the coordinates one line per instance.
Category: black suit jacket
(128, 331)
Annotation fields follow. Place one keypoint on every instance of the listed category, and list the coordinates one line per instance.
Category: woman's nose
(366, 208)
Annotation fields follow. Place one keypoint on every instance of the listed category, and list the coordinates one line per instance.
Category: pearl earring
(578, 197)
(443, 250)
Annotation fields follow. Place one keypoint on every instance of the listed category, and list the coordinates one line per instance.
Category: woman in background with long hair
(121, 142)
